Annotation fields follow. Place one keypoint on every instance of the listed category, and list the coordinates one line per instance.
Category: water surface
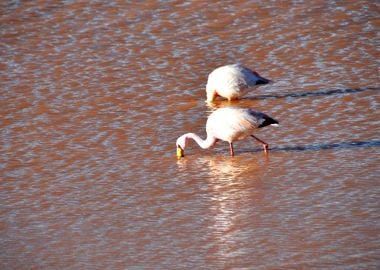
(94, 95)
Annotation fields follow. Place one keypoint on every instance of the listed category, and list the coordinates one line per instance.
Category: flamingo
(232, 82)
(228, 124)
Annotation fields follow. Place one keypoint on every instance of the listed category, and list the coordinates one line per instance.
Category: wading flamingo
(228, 124)
(232, 82)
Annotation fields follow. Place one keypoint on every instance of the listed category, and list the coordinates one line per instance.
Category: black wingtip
(262, 81)
(268, 121)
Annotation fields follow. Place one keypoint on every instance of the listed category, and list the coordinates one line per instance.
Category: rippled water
(95, 93)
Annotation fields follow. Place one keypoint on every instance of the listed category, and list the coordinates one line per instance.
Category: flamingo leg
(265, 145)
(231, 149)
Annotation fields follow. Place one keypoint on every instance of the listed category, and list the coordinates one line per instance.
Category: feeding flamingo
(232, 82)
(228, 124)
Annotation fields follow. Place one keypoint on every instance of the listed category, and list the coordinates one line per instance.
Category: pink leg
(265, 145)
(231, 149)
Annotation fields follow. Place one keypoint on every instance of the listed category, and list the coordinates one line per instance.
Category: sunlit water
(95, 93)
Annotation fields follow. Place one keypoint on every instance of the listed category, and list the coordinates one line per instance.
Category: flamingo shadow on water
(235, 102)
(323, 146)
(318, 93)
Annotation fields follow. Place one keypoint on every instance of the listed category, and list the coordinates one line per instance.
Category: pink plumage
(228, 124)
(232, 82)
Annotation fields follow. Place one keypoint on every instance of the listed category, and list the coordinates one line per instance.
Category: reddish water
(94, 95)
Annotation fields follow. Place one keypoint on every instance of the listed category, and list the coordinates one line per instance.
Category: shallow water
(94, 95)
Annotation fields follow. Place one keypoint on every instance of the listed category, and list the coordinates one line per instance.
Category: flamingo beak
(180, 152)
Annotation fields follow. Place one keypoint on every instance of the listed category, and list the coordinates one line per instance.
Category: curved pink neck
(210, 140)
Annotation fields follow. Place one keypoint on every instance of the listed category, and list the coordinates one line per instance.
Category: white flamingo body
(232, 82)
(228, 124)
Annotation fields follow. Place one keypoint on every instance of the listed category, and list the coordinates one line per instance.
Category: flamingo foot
(231, 150)
(266, 148)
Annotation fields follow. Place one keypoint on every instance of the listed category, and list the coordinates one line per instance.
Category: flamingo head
(181, 144)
